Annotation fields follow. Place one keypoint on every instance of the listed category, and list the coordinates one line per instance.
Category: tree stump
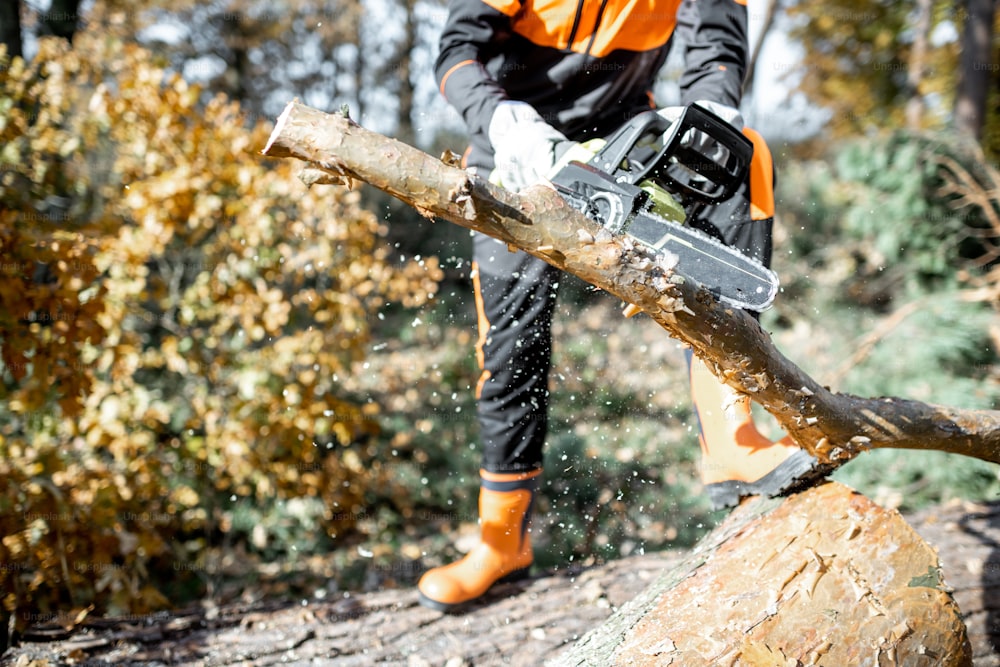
(825, 577)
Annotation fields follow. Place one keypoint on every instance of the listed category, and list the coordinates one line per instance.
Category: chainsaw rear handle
(681, 165)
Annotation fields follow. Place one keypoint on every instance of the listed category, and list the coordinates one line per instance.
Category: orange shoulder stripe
(451, 71)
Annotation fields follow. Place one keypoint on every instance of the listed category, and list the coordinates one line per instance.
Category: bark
(10, 28)
(835, 427)
(917, 65)
(236, 33)
(62, 18)
(976, 66)
(837, 580)
(401, 66)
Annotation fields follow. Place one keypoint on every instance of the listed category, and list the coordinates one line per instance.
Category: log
(825, 577)
(835, 427)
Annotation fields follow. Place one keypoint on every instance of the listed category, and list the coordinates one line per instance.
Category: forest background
(217, 384)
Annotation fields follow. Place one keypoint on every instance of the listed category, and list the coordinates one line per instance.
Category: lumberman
(531, 78)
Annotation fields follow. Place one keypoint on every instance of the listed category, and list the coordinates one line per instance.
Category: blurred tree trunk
(835, 427)
(10, 27)
(976, 67)
(769, 18)
(62, 19)
(238, 67)
(360, 63)
(917, 65)
(402, 62)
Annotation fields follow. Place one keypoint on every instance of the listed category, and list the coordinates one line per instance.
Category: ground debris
(542, 616)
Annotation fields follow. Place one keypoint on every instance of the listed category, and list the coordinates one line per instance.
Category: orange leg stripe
(508, 476)
(483, 324)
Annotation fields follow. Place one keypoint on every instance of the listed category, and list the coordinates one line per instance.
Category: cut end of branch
(271, 149)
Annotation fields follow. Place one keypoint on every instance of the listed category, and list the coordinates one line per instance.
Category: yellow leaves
(175, 361)
(276, 314)
(201, 316)
(110, 412)
(9, 154)
(825, 22)
(352, 462)
(206, 207)
(70, 146)
(247, 381)
(856, 60)
(150, 75)
(16, 546)
(884, 39)
(185, 496)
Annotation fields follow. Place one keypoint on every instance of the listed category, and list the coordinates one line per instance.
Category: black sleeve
(714, 33)
(472, 34)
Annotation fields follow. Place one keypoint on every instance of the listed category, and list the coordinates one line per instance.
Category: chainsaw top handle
(703, 158)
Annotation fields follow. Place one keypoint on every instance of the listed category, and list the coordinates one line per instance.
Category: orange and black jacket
(585, 65)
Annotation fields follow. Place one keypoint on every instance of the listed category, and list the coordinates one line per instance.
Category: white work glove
(723, 111)
(525, 147)
(670, 114)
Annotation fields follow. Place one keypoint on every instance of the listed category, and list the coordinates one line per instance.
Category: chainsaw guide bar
(633, 189)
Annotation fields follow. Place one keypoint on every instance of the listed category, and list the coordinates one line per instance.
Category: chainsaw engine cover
(702, 160)
(600, 197)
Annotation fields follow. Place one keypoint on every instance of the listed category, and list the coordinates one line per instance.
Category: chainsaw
(647, 190)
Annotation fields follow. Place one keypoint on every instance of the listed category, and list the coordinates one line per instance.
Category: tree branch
(835, 427)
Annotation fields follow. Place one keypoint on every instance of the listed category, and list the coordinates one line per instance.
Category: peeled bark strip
(825, 577)
(835, 427)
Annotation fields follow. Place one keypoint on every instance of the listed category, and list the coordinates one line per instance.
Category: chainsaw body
(643, 188)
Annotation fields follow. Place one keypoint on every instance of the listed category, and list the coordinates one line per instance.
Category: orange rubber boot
(737, 459)
(504, 551)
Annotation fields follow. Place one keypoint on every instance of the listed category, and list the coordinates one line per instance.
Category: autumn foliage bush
(177, 316)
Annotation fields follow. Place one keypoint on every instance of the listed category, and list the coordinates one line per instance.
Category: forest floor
(537, 619)
(519, 624)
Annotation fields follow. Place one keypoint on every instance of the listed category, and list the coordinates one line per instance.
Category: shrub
(888, 265)
(178, 317)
